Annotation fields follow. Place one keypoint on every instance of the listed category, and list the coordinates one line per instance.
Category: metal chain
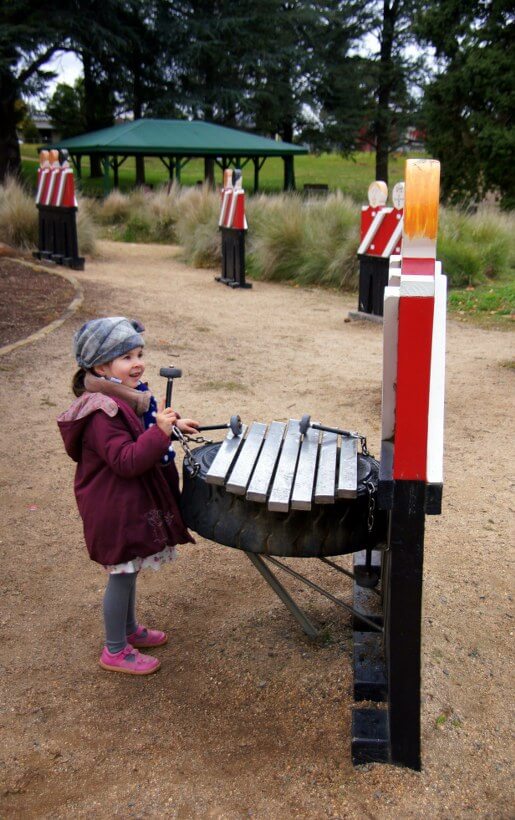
(371, 505)
(188, 455)
(363, 440)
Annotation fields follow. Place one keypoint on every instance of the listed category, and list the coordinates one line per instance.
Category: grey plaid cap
(102, 340)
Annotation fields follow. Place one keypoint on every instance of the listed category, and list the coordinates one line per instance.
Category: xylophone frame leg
(280, 591)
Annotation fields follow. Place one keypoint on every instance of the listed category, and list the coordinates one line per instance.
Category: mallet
(170, 373)
(305, 422)
(234, 423)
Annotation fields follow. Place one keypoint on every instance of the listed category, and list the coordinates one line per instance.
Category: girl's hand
(166, 418)
(187, 426)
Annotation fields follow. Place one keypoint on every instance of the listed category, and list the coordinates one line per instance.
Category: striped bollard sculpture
(57, 210)
(233, 225)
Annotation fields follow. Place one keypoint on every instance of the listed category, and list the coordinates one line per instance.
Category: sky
(67, 66)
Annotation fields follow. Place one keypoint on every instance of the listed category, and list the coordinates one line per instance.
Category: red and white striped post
(233, 225)
(380, 237)
(411, 470)
(412, 447)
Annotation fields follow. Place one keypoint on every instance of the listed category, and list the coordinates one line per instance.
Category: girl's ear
(99, 370)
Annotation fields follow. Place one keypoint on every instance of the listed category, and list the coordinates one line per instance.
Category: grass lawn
(491, 304)
(351, 176)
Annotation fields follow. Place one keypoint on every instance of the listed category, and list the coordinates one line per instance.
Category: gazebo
(176, 142)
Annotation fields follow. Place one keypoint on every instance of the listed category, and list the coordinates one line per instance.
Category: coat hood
(74, 421)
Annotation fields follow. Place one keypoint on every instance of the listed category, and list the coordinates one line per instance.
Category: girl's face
(128, 369)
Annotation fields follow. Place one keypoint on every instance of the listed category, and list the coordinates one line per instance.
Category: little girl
(126, 481)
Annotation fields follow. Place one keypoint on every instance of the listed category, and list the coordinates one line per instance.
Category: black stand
(373, 278)
(389, 670)
(233, 259)
(58, 236)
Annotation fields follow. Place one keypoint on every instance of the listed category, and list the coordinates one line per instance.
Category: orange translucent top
(421, 198)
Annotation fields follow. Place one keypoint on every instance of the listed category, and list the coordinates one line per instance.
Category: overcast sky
(68, 68)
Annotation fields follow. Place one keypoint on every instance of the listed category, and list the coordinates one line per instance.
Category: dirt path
(247, 717)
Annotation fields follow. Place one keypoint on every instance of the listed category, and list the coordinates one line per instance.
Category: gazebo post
(140, 169)
(255, 160)
(115, 172)
(289, 174)
(106, 182)
(178, 169)
(209, 171)
(78, 165)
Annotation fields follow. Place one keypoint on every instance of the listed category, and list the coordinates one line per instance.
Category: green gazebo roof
(179, 137)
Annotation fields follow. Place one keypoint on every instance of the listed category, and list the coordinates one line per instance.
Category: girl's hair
(78, 382)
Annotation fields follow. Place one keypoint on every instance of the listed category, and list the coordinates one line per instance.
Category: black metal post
(403, 615)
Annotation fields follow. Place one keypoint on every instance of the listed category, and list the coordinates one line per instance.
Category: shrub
(477, 247)
(310, 241)
(86, 229)
(18, 216)
(197, 226)
(115, 209)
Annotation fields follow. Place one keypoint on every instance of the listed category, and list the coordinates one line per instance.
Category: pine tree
(468, 107)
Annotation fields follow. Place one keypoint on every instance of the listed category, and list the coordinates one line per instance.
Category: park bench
(315, 189)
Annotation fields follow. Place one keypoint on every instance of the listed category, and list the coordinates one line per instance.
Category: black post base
(387, 665)
(233, 259)
(58, 240)
(373, 278)
(370, 736)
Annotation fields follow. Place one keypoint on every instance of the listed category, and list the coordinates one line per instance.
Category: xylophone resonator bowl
(327, 529)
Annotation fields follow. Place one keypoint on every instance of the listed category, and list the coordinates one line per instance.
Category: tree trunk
(386, 70)
(10, 161)
(96, 109)
(137, 108)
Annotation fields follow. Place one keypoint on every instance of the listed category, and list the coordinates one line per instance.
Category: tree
(28, 39)
(468, 107)
(339, 76)
(66, 109)
(394, 74)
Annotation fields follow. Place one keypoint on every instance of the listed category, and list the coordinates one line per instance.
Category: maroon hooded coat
(127, 500)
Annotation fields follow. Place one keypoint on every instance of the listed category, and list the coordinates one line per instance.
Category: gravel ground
(247, 717)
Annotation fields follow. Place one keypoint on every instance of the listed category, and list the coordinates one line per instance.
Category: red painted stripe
(413, 379)
(411, 266)
(239, 215)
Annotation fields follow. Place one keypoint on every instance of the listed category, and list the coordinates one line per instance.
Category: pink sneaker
(129, 661)
(144, 637)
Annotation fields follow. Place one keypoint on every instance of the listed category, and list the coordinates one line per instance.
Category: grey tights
(119, 610)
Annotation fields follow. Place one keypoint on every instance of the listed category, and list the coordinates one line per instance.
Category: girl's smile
(127, 369)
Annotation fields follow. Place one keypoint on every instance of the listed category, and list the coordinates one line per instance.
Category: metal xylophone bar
(281, 467)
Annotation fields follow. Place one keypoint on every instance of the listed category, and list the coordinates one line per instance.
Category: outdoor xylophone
(57, 211)
(303, 489)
